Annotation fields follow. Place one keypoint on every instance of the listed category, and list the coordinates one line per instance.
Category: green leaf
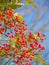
(40, 59)
(34, 5)
(10, 3)
(17, 35)
(30, 2)
(21, 18)
(17, 45)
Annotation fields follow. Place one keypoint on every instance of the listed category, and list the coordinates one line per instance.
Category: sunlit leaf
(21, 18)
(30, 2)
(40, 59)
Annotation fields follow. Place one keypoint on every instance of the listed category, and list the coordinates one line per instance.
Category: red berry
(23, 22)
(12, 24)
(1, 48)
(7, 44)
(1, 30)
(28, 63)
(39, 34)
(44, 35)
(32, 45)
(6, 22)
(40, 45)
(43, 48)
(42, 39)
(0, 24)
(10, 9)
(5, 12)
(17, 18)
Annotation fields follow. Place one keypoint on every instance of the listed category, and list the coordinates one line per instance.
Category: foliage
(40, 59)
(30, 2)
(9, 3)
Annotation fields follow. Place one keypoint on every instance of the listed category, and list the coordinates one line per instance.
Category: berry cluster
(21, 47)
